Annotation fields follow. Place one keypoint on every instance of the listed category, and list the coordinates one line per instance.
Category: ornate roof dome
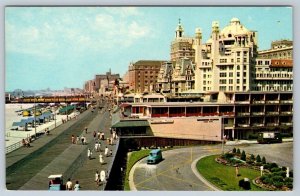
(234, 28)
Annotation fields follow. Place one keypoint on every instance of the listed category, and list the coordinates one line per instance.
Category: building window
(238, 53)
(245, 59)
(238, 60)
(222, 75)
(230, 81)
(222, 88)
(238, 74)
(230, 88)
(230, 74)
(238, 67)
(238, 81)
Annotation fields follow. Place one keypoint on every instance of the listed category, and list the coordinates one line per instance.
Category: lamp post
(222, 134)
(34, 119)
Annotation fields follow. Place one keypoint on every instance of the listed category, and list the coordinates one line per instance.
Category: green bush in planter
(278, 184)
(234, 150)
(263, 160)
(238, 151)
(275, 169)
(277, 179)
(243, 156)
(252, 158)
(258, 159)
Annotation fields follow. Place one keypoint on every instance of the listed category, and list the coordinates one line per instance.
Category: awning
(131, 123)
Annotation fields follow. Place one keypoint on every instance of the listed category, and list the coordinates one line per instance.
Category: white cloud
(77, 32)
(123, 11)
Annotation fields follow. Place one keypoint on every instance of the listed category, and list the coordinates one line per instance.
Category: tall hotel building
(243, 91)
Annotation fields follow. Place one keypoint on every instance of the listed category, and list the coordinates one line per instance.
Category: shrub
(263, 160)
(288, 179)
(280, 173)
(243, 156)
(275, 169)
(227, 156)
(277, 179)
(274, 165)
(291, 174)
(234, 150)
(283, 168)
(252, 158)
(258, 159)
(238, 151)
(263, 177)
(267, 180)
(290, 185)
(258, 164)
(249, 162)
(278, 184)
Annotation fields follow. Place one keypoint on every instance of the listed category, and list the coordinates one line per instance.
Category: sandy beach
(12, 136)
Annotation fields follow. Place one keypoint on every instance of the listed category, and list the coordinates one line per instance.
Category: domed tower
(181, 46)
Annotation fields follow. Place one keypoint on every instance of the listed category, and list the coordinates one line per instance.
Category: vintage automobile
(154, 157)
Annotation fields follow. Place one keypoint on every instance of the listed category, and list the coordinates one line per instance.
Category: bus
(269, 137)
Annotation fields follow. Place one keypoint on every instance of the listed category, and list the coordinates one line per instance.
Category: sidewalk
(239, 142)
(17, 155)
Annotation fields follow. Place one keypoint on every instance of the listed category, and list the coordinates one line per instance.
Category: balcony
(286, 123)
(272, 113)
(258, 124)
(243, 125)
(258, 102)
(286, 101)
(286, 112)
(243, 114)
(272, 124)
(258, 113)
(272, 101)
(243, 102)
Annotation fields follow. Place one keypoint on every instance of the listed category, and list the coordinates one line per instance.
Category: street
(174, 173)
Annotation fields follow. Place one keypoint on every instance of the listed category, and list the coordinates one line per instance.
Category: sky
(57, 47)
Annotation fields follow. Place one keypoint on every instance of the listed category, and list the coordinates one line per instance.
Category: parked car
(155, 156)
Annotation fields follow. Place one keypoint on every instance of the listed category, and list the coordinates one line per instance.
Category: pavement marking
(160, 173)
(182, 180)
(151, 189)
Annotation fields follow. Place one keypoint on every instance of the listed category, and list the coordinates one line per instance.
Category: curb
(200, 177)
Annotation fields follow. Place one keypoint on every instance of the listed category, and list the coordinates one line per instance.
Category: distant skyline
(57, 47)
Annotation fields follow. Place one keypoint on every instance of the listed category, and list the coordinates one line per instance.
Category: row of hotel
(207, 90)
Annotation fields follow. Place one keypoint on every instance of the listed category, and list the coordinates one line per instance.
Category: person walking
(82, 140)
(97, 177)
(101, 159)
(77, 139)
(98, 135)
(94, 135)
(85, 130)
(73, 139)
(69, 185)
(96, 147)
(89, 154)
(77, 186)
(110, 152)
(106, 151)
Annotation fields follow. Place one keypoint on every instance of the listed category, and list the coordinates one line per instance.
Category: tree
(264, 160)
(252, 158)
(258, 159)
(243, 156)
(238, 151)
(234, 150)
